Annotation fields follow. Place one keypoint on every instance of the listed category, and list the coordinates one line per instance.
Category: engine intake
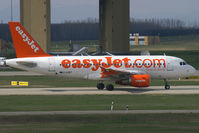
(2, 62)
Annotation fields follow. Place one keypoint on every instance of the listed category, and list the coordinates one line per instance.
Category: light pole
(11, 12)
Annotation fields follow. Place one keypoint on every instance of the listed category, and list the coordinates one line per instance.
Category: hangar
(113, 23)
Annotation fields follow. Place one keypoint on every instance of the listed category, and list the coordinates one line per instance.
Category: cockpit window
(183, 63)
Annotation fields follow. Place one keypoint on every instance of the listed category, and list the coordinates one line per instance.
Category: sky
(61, 10)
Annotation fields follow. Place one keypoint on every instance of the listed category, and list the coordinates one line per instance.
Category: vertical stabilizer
(25, 45)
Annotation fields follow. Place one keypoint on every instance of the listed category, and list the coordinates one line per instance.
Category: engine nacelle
(136, 81)
(2, 61)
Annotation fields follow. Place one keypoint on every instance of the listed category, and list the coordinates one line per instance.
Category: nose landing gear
(167, 86)
(110, 87)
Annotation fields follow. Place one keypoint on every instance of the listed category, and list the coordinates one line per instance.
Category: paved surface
(94, 91)
(98, 112)
(19, 73)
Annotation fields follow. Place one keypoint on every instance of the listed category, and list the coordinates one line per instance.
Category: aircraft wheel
(110, 87)
(100, 86)
(167, 87)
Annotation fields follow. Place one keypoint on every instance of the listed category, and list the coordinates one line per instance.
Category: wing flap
(116, 72)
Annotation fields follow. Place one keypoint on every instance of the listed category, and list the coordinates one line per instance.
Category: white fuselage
(89, 67)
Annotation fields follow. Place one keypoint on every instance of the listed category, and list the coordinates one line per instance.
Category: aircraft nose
(191, 70)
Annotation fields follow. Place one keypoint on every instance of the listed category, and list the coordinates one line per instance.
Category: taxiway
(93, 91)
(98, 112)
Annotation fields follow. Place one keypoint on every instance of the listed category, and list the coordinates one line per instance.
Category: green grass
(144, 123)
(65, 46)
(98, 102)
(172, 43)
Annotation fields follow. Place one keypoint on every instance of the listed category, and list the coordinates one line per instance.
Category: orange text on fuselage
(95, 64)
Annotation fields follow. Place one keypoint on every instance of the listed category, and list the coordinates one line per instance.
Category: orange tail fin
(25, 45)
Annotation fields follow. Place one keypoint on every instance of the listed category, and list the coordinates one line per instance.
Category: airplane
(136, 71)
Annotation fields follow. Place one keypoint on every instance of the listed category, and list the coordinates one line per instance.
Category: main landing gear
(167, 86)
(100, 86)
(110, 87)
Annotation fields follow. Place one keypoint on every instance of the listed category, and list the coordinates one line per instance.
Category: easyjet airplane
(135, 71)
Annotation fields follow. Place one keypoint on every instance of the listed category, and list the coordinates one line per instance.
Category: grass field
(98, 102)
(145, 123)
(47, 81)
(170, 43)
(112, 123)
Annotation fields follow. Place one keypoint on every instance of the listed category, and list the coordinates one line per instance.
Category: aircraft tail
(25, 45)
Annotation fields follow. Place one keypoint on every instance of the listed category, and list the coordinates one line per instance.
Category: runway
(93, 91)
(102, 112)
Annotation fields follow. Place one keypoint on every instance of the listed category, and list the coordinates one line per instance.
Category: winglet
(25, 45)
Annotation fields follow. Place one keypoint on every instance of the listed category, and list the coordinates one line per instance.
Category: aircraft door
(51, 67)
(170, 66)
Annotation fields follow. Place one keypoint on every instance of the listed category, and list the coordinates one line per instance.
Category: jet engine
(136, 81)
(2, 62)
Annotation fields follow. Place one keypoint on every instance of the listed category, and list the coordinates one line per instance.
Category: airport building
(136, 40)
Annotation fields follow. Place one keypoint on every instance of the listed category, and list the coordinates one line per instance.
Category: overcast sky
(62, 10)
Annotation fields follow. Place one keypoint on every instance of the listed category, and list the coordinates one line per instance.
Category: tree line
(89, 29)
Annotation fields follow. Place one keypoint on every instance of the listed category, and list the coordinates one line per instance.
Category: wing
(118, 73)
